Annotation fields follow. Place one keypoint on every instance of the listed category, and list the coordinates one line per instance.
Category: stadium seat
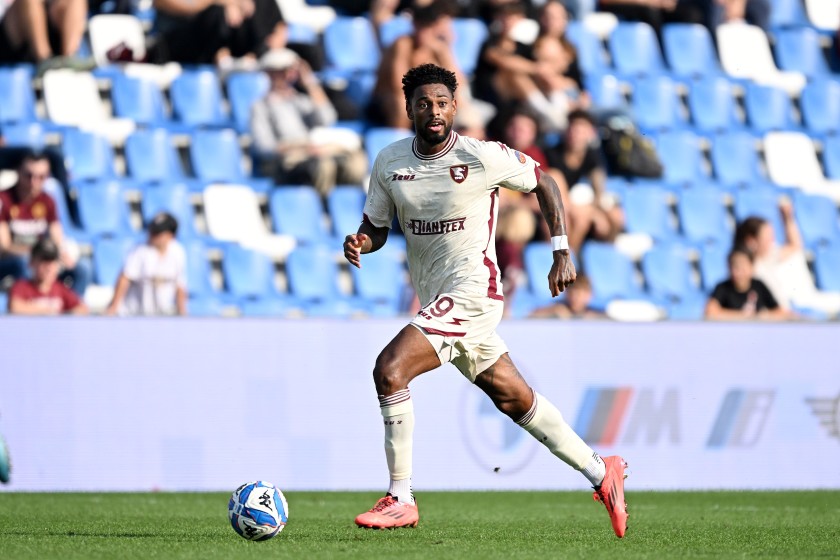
(537, 259)
(690, 50)
(138, 99)
(690, 308)
(592, 57)
(745, 53)
(17, 97)
(768, 108)
(216, 156)
(350, 45)
(173, 198)
(243, 90)
(4, 303)
(28, 134)
(103, 209)
(647, 210)
(763, 203)
(818, 220)
(199, 283)
(735, 158)
(381, 281)
(377, 138)
(313, 273)
(345, 205)
(799, 50)
(792, 162)
(681, 157)
(827, 269)
(197, 98)
(151, 156)
(204, 306)
(109, 254)
(267, 307)
(831, 157)
(713, 266)
(820, 103)
(315, 15)
(87, 155)
(605, 91)
(470, 35)
(668, 274)
(68, 223)
(656, 105)
(393, 29)
(824, 14)
(635, 50)
(247, 273)
(703, 216)
(297, 211)
(612, 274)
(107, 31)
(712, 104)
(785, 14)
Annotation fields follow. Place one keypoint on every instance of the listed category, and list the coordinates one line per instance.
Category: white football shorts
(462, 330)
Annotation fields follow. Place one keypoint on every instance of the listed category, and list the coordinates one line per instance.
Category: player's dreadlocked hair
(428, 74)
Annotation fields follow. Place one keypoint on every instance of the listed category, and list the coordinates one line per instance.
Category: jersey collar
(449, 143)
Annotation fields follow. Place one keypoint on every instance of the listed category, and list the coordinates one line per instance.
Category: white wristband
(560, 243)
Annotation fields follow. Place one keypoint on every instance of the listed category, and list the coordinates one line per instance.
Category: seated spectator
(27, 214)
(44, 294)
(48, 33)
(754, 12)
(591, 211)
(282, 124)
(153, 280)
(576, 306)
(784, 269)
(656, 13)
(554, 47)
(741, 296)
(203, 32)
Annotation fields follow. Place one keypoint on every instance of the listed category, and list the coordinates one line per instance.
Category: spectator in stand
(592, 211)
(27, 214)
(283, 122)
(576, 306)
(206, 31)
(784, 269)
(553, 46)
(741, 296)
(656, 13)
(153, 280)
(44, 294)
(47, 33)
(754, 12)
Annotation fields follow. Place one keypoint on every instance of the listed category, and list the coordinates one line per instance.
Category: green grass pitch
(483, 525)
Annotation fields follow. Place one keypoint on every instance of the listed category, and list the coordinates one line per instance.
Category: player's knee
(387, 374)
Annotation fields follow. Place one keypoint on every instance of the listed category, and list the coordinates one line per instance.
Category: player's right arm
(368, 239)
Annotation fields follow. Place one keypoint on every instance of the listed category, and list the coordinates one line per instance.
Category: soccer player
(444, 188)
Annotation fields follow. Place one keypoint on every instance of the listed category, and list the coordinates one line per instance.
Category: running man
(444, 188)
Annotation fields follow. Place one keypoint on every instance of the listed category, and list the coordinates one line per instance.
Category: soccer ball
(258, 511)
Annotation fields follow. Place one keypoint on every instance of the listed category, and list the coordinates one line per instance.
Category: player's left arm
(562, 273)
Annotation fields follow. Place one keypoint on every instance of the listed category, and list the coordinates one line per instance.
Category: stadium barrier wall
(96, 404)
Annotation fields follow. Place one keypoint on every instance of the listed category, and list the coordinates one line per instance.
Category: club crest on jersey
(520, 156)
(459, 173)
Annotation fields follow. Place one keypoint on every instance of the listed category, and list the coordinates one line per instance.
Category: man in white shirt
(444, 187)
(153, 280)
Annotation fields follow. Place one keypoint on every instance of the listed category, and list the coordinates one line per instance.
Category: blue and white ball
(258, 511)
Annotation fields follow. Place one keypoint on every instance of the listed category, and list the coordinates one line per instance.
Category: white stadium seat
(824, 14)
(600, 23)
(299, 12)
(109, 30)
(792, 161)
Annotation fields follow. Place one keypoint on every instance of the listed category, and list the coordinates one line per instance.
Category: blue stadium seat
(87, 155)
(204, 306)
(4, 303)
(818, 219)
(68, 224)
(713, 266)
(592, 58)
(786, 13)
(668, 274)
(799, 50)
(244, 89)
(302, 33)
(138, 99)
(690, 50)
(827, 269)
(681, 157)
(768, 108)
(612, 274)
(635, 49)
(703, 216)
(199, 283)
(247, 273)
(605, 91)
(297, 211)
(381, 280)
(197, 98)
(656, 105)
(393, 29)
(690, 308)
(377, 138)
(350, 45)
(109, 254)
(216, 156)
(712, 104)
(820, 103)
(537, 259)
(151, 156)
(831, 157)
(173, 198)
(28, 134)
(647, 210)
(470, 35)
(763, 203)
(735, 158)
(17, 97)
(313, 273)
(103, 209)
(345, 205)
(267, 307)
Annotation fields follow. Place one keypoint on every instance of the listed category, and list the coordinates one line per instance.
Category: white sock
(595, 470)
(398, 418)
(546, 424)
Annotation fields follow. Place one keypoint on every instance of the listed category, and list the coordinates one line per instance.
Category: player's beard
(434, 138)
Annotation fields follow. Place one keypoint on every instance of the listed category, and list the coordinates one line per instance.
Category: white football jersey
(447, 204)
